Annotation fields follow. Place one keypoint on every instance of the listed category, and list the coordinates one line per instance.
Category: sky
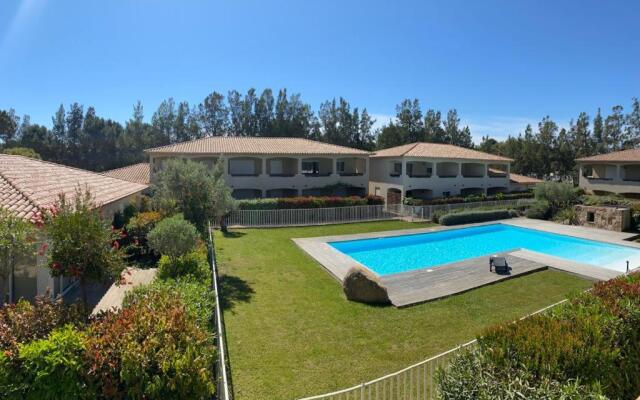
(501, 64)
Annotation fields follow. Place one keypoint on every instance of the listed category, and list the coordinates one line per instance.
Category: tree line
(551, 149)
(80, 137)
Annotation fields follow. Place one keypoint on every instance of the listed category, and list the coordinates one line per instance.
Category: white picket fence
(416, 382)
(339, 215)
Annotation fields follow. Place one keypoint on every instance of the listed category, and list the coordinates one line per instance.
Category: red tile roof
(438, 150)
(28, 185)
(137, 173)
(255, 145)
(631, 155)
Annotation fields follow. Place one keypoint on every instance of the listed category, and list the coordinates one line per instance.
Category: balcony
(447, 169)
(282, 167)
(351, 166)
(419, 169)
(317, 167)
(473, 170)
(245, 166)
(631, 173)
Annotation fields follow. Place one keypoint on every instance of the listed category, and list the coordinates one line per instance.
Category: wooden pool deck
(422, 285)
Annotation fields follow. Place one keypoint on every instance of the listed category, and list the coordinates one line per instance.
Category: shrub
(308, 202)
(196, 295)
(173, 237)
(558, 195)
(468, 199)
(82, 245)
(555, 348)
(137, 246)
(471, 376)
(467, 217)
(152, 349)
(191, 264)
(23, 322)
(52, 368)
(538, 210)
(567, 216)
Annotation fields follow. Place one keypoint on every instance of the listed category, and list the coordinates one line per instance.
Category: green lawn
(291, 332)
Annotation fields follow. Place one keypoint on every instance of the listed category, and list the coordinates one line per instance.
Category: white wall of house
(435, 177)
(621, 178)
(290, 174)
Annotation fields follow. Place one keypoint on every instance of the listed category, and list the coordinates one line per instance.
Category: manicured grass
(291, 333)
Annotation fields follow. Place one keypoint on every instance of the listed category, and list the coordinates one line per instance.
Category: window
(446, 194)
(311, 167)
(397, 169)
(340, 166)
(591, 216)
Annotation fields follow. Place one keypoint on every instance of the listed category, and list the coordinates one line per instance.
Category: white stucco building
(430, 170)
(617, 172)
(275, 167)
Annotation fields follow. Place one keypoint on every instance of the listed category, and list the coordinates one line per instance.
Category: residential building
(29, 186)
(275, 167)
(429, 170)
(617, 172)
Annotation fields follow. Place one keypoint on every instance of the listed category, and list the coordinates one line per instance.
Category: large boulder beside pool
(364, 287)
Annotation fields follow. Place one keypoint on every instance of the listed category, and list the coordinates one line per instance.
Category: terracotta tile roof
(136, 173)
(28, 185)
(438, 150)
(255, 145)
(523, 180)
(631, 155)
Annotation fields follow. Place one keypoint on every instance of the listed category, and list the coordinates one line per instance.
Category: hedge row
(308, 202)
(468, 217)
(469, 199)
(589, 348)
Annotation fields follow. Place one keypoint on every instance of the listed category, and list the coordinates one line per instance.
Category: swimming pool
(390, 255)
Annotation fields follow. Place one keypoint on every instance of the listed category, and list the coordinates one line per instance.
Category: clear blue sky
(500, 63)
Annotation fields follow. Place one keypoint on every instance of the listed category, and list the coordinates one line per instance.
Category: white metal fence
(333, 215)
(416, 382)
(308, 216)
(223, 385)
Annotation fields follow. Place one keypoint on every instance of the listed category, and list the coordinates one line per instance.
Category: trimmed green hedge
(308, 202)
(476, 216)
(468, 199)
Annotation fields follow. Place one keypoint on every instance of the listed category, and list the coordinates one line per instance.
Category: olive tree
(17, 238)
(194, 190)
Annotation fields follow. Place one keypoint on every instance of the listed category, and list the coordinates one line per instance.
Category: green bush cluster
(190, 264)
(468, 199)
(173, 237)
(538, 210)
(468, 217)
(590, 344)
(308, 202)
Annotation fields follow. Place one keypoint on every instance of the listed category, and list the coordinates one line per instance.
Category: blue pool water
(391, 255)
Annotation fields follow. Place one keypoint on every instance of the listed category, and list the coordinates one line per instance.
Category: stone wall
(604, 217)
